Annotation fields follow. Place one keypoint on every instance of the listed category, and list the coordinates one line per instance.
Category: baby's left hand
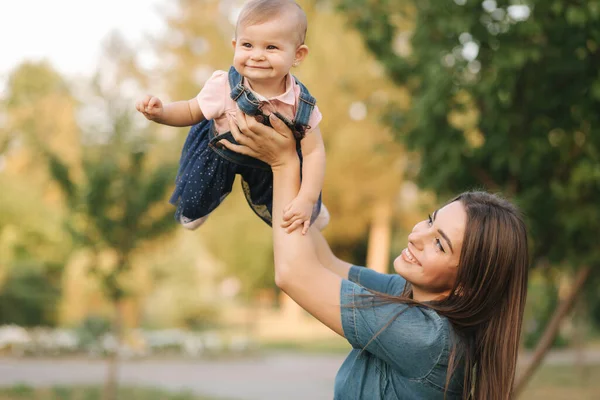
(297, 214)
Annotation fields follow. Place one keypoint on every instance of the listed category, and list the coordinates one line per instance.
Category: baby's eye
(247, 45)
(271, 47)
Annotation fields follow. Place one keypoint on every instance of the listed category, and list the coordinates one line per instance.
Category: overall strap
(306, 104)
(235, 83)
(244, 98)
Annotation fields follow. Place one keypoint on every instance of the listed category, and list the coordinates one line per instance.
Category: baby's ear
(233, 42)
(301, 53)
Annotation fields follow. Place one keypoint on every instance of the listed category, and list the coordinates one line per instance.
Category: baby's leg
(322, 219)
(192, 225)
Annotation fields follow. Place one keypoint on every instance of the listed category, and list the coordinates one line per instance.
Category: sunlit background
(69, 33)
(102, 292)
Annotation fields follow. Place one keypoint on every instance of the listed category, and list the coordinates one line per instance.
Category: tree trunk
(551, 331)
(378, 250)
(583, 370)
(112, 373)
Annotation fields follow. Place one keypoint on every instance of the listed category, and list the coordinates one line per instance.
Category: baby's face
(265, 53)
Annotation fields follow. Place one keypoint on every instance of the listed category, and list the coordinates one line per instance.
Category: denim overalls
(207, 169)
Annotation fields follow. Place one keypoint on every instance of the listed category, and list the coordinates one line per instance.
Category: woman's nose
(417, 236)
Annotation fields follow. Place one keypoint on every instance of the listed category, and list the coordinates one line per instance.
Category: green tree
(32, 246)
(118, 201)
(505, 97)
(29, 295)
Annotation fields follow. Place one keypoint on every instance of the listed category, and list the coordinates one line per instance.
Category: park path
(290, 376)
(269, 377)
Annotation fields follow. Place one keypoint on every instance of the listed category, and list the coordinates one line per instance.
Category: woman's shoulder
(429, 328)
(419, 334)
(425, 342)
(416, 330)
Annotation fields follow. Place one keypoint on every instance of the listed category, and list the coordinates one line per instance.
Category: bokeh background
(103, 295)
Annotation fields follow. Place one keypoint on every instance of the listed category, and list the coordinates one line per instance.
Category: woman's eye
(438, 243)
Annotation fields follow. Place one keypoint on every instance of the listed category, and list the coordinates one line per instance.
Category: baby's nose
(258, 54)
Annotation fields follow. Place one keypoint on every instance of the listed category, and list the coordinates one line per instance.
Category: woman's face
(430, 260)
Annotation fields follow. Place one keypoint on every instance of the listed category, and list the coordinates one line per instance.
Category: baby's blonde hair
(259, 11)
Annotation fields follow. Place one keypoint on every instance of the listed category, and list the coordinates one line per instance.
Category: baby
(269, 41)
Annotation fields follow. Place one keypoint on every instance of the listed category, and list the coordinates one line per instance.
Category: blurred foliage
(29, 227)
(30, 294)
(542, 300)
(33, 247)
(91, 331)
(29, 216)
(118, 201)
(591, 300)
(505, 97)
(40, 109)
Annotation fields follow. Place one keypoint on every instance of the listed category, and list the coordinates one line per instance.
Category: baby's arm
(313, 175)
(179, 113)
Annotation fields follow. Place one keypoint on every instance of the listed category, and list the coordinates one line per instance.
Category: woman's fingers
(250, 127)
(238, 148)
(274, 147)
(244, 123)
(235, 129)
(279, 126)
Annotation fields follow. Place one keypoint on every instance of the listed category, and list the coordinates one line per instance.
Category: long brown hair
(486, 304)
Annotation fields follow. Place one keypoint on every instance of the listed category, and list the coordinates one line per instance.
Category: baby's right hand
(150, 106)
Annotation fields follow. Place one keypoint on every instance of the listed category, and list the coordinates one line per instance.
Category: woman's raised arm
(298, 270)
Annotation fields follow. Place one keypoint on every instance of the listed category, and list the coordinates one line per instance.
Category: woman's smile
(409, 257)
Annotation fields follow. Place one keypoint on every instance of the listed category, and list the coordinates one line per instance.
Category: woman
(446, 326)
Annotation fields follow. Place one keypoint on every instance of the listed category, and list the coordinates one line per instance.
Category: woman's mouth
(409, 257)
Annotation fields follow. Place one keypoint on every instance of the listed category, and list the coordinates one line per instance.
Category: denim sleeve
(410, 339)
(373, 280)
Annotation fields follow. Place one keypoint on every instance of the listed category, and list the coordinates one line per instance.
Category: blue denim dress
(207, 170)
(407, 360)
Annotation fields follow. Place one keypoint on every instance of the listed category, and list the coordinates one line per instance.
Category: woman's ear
(301, 53)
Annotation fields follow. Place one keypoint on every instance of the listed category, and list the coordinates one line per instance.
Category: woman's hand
(275, 146)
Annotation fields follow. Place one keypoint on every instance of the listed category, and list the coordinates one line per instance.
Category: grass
(24, 392)
(564, 382)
